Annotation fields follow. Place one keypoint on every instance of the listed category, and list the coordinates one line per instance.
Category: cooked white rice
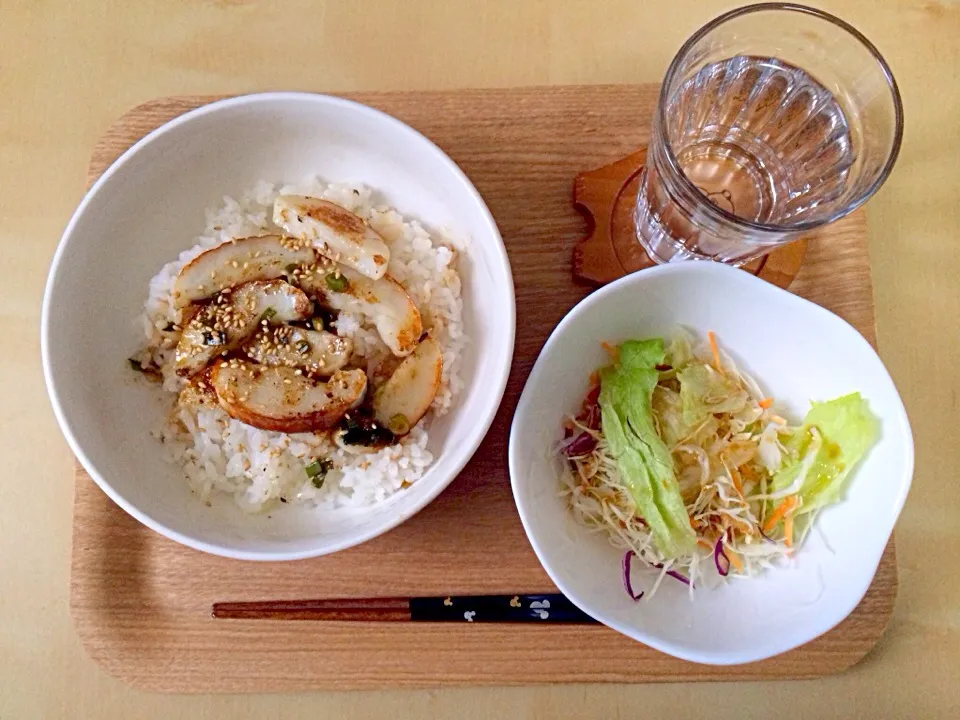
(260, 468)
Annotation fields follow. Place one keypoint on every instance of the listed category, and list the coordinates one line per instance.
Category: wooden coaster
(607, 196)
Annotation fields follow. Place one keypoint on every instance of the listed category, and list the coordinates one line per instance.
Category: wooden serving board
(141, 603)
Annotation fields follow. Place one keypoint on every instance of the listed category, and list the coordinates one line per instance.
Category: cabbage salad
(686, 465)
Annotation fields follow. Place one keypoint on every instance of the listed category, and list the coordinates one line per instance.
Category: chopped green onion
(269, 313)
(337, 282)
(317, 323)
(291, 267)
(399, 424)
(317, 472)
(303, 347)
(135, 364)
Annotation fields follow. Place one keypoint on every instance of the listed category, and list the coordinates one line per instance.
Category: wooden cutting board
(141, 603)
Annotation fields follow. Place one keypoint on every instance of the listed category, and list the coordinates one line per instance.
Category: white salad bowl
(798, 352)
(147, 208)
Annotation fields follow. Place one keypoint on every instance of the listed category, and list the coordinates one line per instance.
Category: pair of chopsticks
(553, 608)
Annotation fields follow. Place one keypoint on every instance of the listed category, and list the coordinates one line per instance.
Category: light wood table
(68, 69)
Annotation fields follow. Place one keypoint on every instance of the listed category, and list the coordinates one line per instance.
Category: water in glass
(759, 138)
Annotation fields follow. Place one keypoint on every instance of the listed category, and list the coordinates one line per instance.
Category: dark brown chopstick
(359, 609)
(472, 608)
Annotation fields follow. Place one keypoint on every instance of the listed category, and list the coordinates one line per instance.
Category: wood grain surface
(141, 603)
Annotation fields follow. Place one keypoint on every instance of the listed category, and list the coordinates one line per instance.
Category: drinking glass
(773, 120)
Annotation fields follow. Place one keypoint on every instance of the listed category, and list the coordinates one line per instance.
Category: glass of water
(773, 120)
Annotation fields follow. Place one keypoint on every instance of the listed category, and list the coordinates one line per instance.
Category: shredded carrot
(737, 484)
(734, 476)
(782, 509)
(594, 378)
(788, 531)
(704, 544)
(728, 523)
(766, 403)
(733, 558)
(712, 339)
(611, 350)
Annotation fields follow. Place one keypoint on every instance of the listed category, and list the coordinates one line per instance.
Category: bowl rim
(527, 401)
(481, 424)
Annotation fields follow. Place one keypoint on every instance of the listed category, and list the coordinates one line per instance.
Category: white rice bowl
(259, 468)
(144, 211)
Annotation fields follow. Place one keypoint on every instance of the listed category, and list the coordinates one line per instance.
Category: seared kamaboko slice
(402, 400)
(317, 352)
(236, 262)
(384, 302)
(334, 231)
(277, 398)
(228, 320)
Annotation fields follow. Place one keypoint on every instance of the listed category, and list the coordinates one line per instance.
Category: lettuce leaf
(847, 430)
(669, 413)
(680, 351)
(644, 462)
(641, 355)
(704, 391)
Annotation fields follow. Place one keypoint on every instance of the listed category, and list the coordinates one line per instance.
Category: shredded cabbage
(689, 454)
